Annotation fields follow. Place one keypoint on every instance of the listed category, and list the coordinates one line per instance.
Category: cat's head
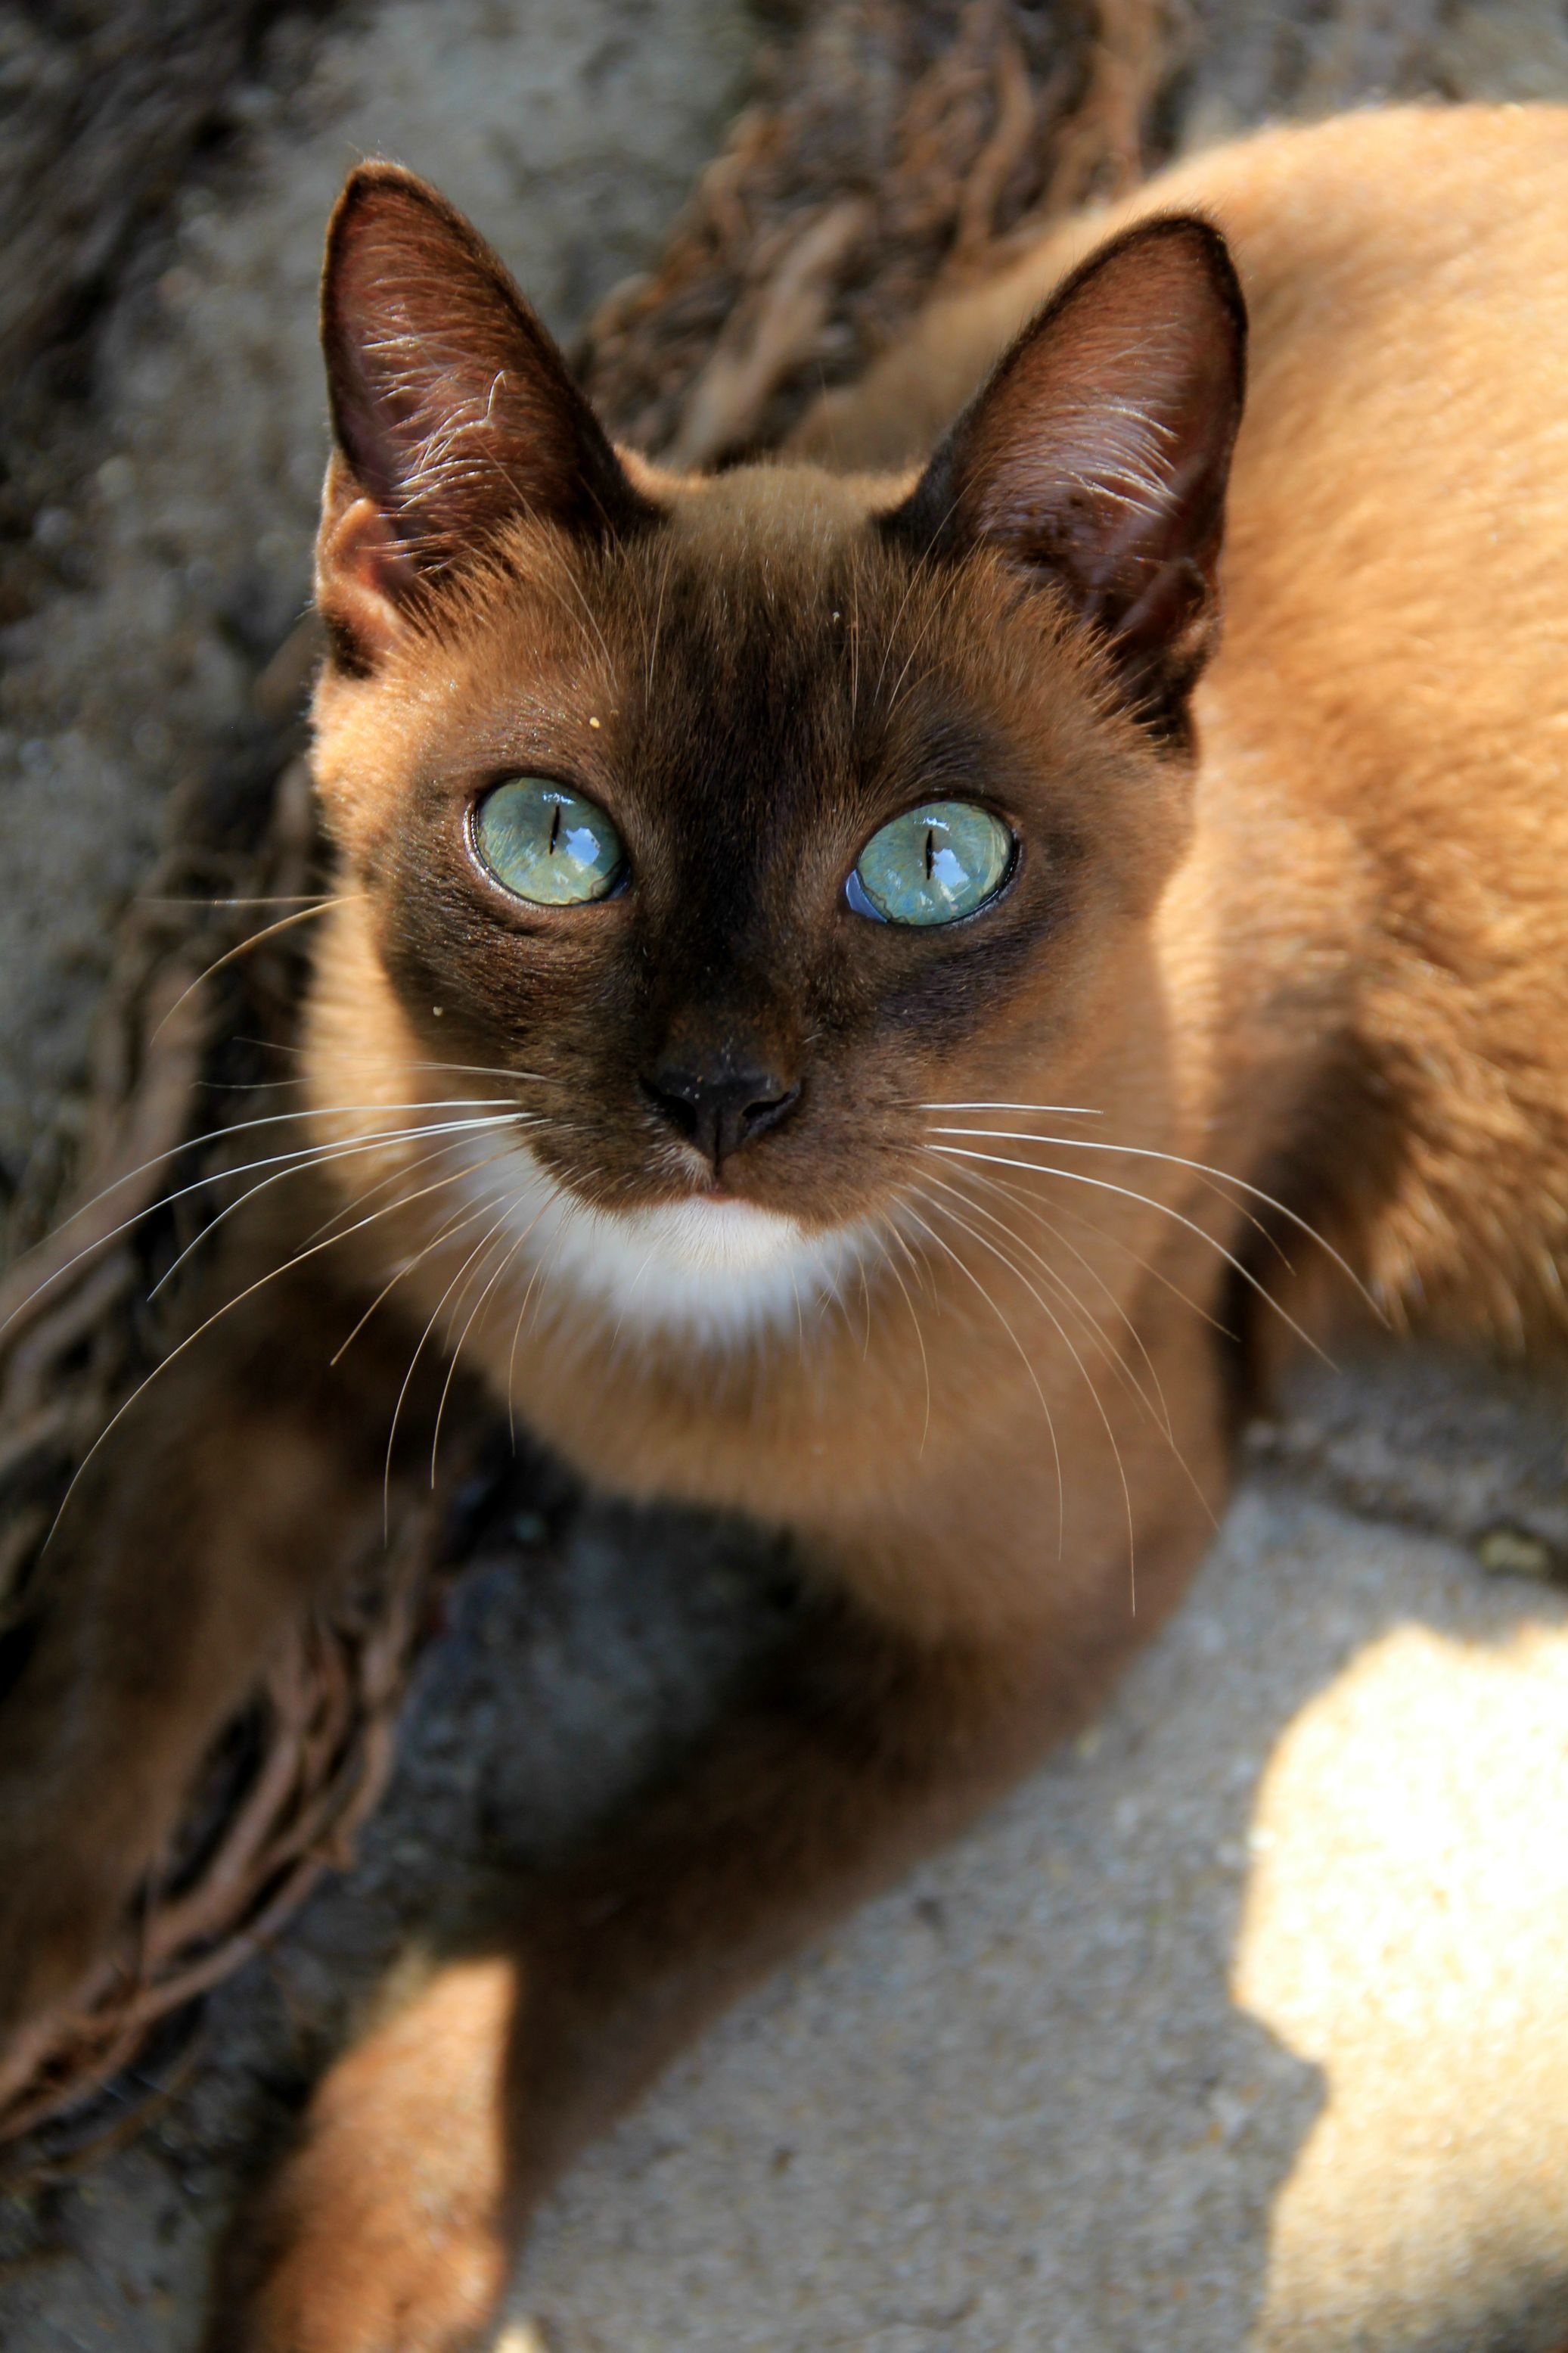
(750, 816)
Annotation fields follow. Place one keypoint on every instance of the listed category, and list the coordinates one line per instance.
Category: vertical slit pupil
(930, 852)
(554, 828)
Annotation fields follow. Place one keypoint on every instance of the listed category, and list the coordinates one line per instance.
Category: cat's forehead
(798, 514)
(764, 604)
(762, 568)
(769, 595)
(765, 651)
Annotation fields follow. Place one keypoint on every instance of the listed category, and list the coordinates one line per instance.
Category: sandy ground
(1237, 2027)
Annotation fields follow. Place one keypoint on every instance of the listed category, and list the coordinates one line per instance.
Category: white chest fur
(718, 1274)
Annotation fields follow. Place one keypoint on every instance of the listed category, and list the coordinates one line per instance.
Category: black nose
(718, 1111)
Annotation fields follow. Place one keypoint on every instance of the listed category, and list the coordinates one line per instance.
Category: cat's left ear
(1096, 456)
(454, 414)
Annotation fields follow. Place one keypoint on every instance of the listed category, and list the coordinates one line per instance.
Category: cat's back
(1397, 566)
(1406, 276)
(1412, 256)
(1398, 533)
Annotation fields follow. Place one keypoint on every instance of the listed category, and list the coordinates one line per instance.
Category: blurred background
(1239, 2027)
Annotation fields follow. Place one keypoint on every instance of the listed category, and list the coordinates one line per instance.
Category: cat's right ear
(453, 412)
(1095, 460)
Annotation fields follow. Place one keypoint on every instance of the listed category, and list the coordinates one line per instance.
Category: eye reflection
(931, 865)
(547, 844)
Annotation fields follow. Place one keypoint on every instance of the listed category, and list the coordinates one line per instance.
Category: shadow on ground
(1237, 2027)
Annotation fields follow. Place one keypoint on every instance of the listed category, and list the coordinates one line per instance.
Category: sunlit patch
(718, 1272)
(1404, 1926)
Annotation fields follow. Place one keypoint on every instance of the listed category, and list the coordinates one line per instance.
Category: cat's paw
(385, 2232)
(341, 2288)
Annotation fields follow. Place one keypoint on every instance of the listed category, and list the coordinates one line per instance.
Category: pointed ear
(452, 409)
(1096, 456)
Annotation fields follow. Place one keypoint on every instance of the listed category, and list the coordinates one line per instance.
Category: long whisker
(970, 1275)
(1027, 1202)
(535, 1282)
(919, 1342)
(1020, 1198)
(399, 1063)
(467, 1214)
(1160, 1416)
(217, 1136)
(404, 1169)
(571, 1180)
(243, 947)
(1164, 1209)
(419, 1352)
(1173, 1160)
(1214, 1179)
(506, 1259)
(1039, 1110)
(299, 1258)
(278, 899)
(1063, 1335)
(303, 1155)
(300, 1162)
(1094, 1329)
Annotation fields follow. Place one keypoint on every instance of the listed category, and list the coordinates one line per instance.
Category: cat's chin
(713, 1271)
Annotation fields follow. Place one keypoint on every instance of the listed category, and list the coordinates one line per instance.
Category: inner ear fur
(1096, 456)
(453, 412)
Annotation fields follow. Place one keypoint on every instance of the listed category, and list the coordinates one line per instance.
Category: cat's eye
(545, 842)
(931, 865)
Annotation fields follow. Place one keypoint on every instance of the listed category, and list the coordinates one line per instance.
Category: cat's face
(748, 817)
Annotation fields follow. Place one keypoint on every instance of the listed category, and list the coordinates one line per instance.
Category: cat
(858, 1008)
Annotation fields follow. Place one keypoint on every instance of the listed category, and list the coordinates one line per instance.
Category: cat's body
(956, 1296)
(1352, 990)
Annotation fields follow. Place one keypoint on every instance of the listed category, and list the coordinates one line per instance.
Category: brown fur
(1328, 960)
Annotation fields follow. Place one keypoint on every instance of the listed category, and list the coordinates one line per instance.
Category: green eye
(931, 865)
(546, 843)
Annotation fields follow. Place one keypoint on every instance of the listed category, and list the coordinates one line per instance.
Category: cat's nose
(718, 1111)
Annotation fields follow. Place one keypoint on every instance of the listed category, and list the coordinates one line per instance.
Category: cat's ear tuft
(453, 411)
(1096, 456)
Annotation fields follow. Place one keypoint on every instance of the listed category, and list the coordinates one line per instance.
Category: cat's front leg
(248, 1473)
(391, 2228)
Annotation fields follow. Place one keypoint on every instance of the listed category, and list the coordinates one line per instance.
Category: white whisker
(465, 1216)
(255, 940)
(1172, 1159)
(300, 1164)
(1086, 1377)
(970, 1275)
(189, 1340)
(419, 1351)
(1162, 1209)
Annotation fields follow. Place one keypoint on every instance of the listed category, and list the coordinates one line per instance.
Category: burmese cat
(810, 937)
